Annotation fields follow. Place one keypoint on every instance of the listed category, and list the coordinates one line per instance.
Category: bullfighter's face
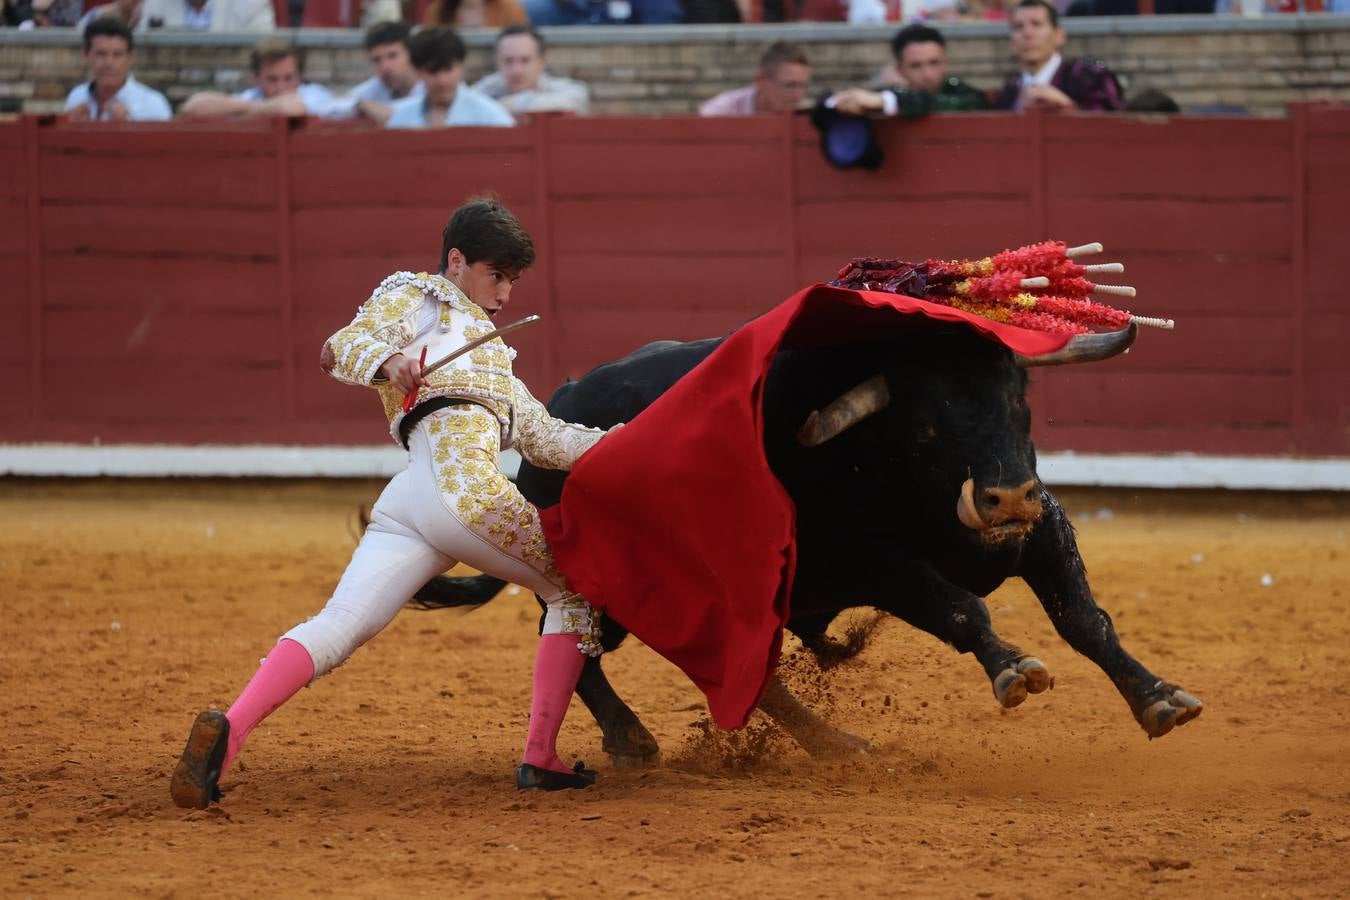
(486, 283)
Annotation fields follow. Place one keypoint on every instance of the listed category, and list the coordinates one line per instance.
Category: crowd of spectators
(417, 77)
(261, 15)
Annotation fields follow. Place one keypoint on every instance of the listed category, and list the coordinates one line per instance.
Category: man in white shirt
(394, 77)
(112, 94)
(520, 82)
(277, 89)
(229, 16)
(438, 55)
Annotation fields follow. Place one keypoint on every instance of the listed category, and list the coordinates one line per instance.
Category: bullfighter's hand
(858, 101)
(404, 372)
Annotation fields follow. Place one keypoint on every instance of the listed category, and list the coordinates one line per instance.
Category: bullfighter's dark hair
(915, 34)
(513, 30)
(485, 231)
(436, 49)
(387, 33)
(780, 53)
(107, 26)
(1040, 4)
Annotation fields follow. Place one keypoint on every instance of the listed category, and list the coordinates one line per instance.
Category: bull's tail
(456, 591)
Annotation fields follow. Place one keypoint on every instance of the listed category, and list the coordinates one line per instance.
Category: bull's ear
(845, 411)
(1084, 348)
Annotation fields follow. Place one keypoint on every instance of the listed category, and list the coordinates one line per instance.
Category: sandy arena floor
(129, 606)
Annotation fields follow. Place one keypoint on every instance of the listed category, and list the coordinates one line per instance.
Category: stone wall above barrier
(1202, 61)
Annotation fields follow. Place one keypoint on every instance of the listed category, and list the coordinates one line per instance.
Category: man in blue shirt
(277, 90)
(394, 77)
(438, 55)
(112, 94)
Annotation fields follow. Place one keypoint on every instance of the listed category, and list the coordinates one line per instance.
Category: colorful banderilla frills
(1038, 287)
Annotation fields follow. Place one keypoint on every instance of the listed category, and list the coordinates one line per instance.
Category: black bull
(914, 477)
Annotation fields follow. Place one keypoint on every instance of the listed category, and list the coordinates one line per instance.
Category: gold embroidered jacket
(408, 311)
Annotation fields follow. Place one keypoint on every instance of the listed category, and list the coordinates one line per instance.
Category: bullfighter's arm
(547, 442)
(383, 325)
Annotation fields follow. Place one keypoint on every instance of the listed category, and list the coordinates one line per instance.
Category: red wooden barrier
(174, 284)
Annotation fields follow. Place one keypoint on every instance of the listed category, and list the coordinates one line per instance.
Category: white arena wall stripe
(213, 461)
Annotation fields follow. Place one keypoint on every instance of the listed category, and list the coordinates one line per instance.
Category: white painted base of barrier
(1068, 469)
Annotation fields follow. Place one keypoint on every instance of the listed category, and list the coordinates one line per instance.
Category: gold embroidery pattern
(545, 441)
(580, 619)
(388, 322)
(464, 444)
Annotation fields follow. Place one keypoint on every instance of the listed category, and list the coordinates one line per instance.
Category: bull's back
(616, 392)
(612, 393)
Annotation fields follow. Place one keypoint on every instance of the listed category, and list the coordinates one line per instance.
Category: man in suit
(1048, 80)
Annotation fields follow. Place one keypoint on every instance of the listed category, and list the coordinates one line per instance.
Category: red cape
(675, 525)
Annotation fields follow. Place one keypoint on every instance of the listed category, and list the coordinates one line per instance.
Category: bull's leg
(1053, 568)
(829, 652)
(926, 600)
(625, 738)
(816, 736)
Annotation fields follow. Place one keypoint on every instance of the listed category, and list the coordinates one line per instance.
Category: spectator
(780, 85)
(604, 12)
(112, 94)
(26, 14)
(475, 13)
(232, 16)
(520, 82)
(438, 55)
(1047, 80)
(1152, 100)
(277, 89)
(926, 86)
(128, 12)
(394, 79)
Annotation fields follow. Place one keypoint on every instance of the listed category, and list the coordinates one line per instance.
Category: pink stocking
(286, 670)
(557, 666)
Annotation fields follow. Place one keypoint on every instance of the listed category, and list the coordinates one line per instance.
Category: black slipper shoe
(533, 778)
(193, 785)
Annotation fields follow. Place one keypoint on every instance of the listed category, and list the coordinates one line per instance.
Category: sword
(477, 342)
(410, 399)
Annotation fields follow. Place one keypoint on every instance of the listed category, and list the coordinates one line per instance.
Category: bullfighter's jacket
(408, 311)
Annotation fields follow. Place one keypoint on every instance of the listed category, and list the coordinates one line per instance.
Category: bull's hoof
(1010, 687)
(631, 746)
(1029, 676)
(635, 761)
(831, 743)
(1176, 708)
(1037, 675)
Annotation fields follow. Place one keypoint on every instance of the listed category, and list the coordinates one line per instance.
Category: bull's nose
(1003, 504)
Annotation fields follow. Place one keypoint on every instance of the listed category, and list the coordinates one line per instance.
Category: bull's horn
(1085, 348)
(847, 410)
(965, 507)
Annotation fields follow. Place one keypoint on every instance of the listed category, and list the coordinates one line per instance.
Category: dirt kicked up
(130, 606)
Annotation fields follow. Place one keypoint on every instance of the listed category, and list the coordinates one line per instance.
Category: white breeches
(450, 505)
